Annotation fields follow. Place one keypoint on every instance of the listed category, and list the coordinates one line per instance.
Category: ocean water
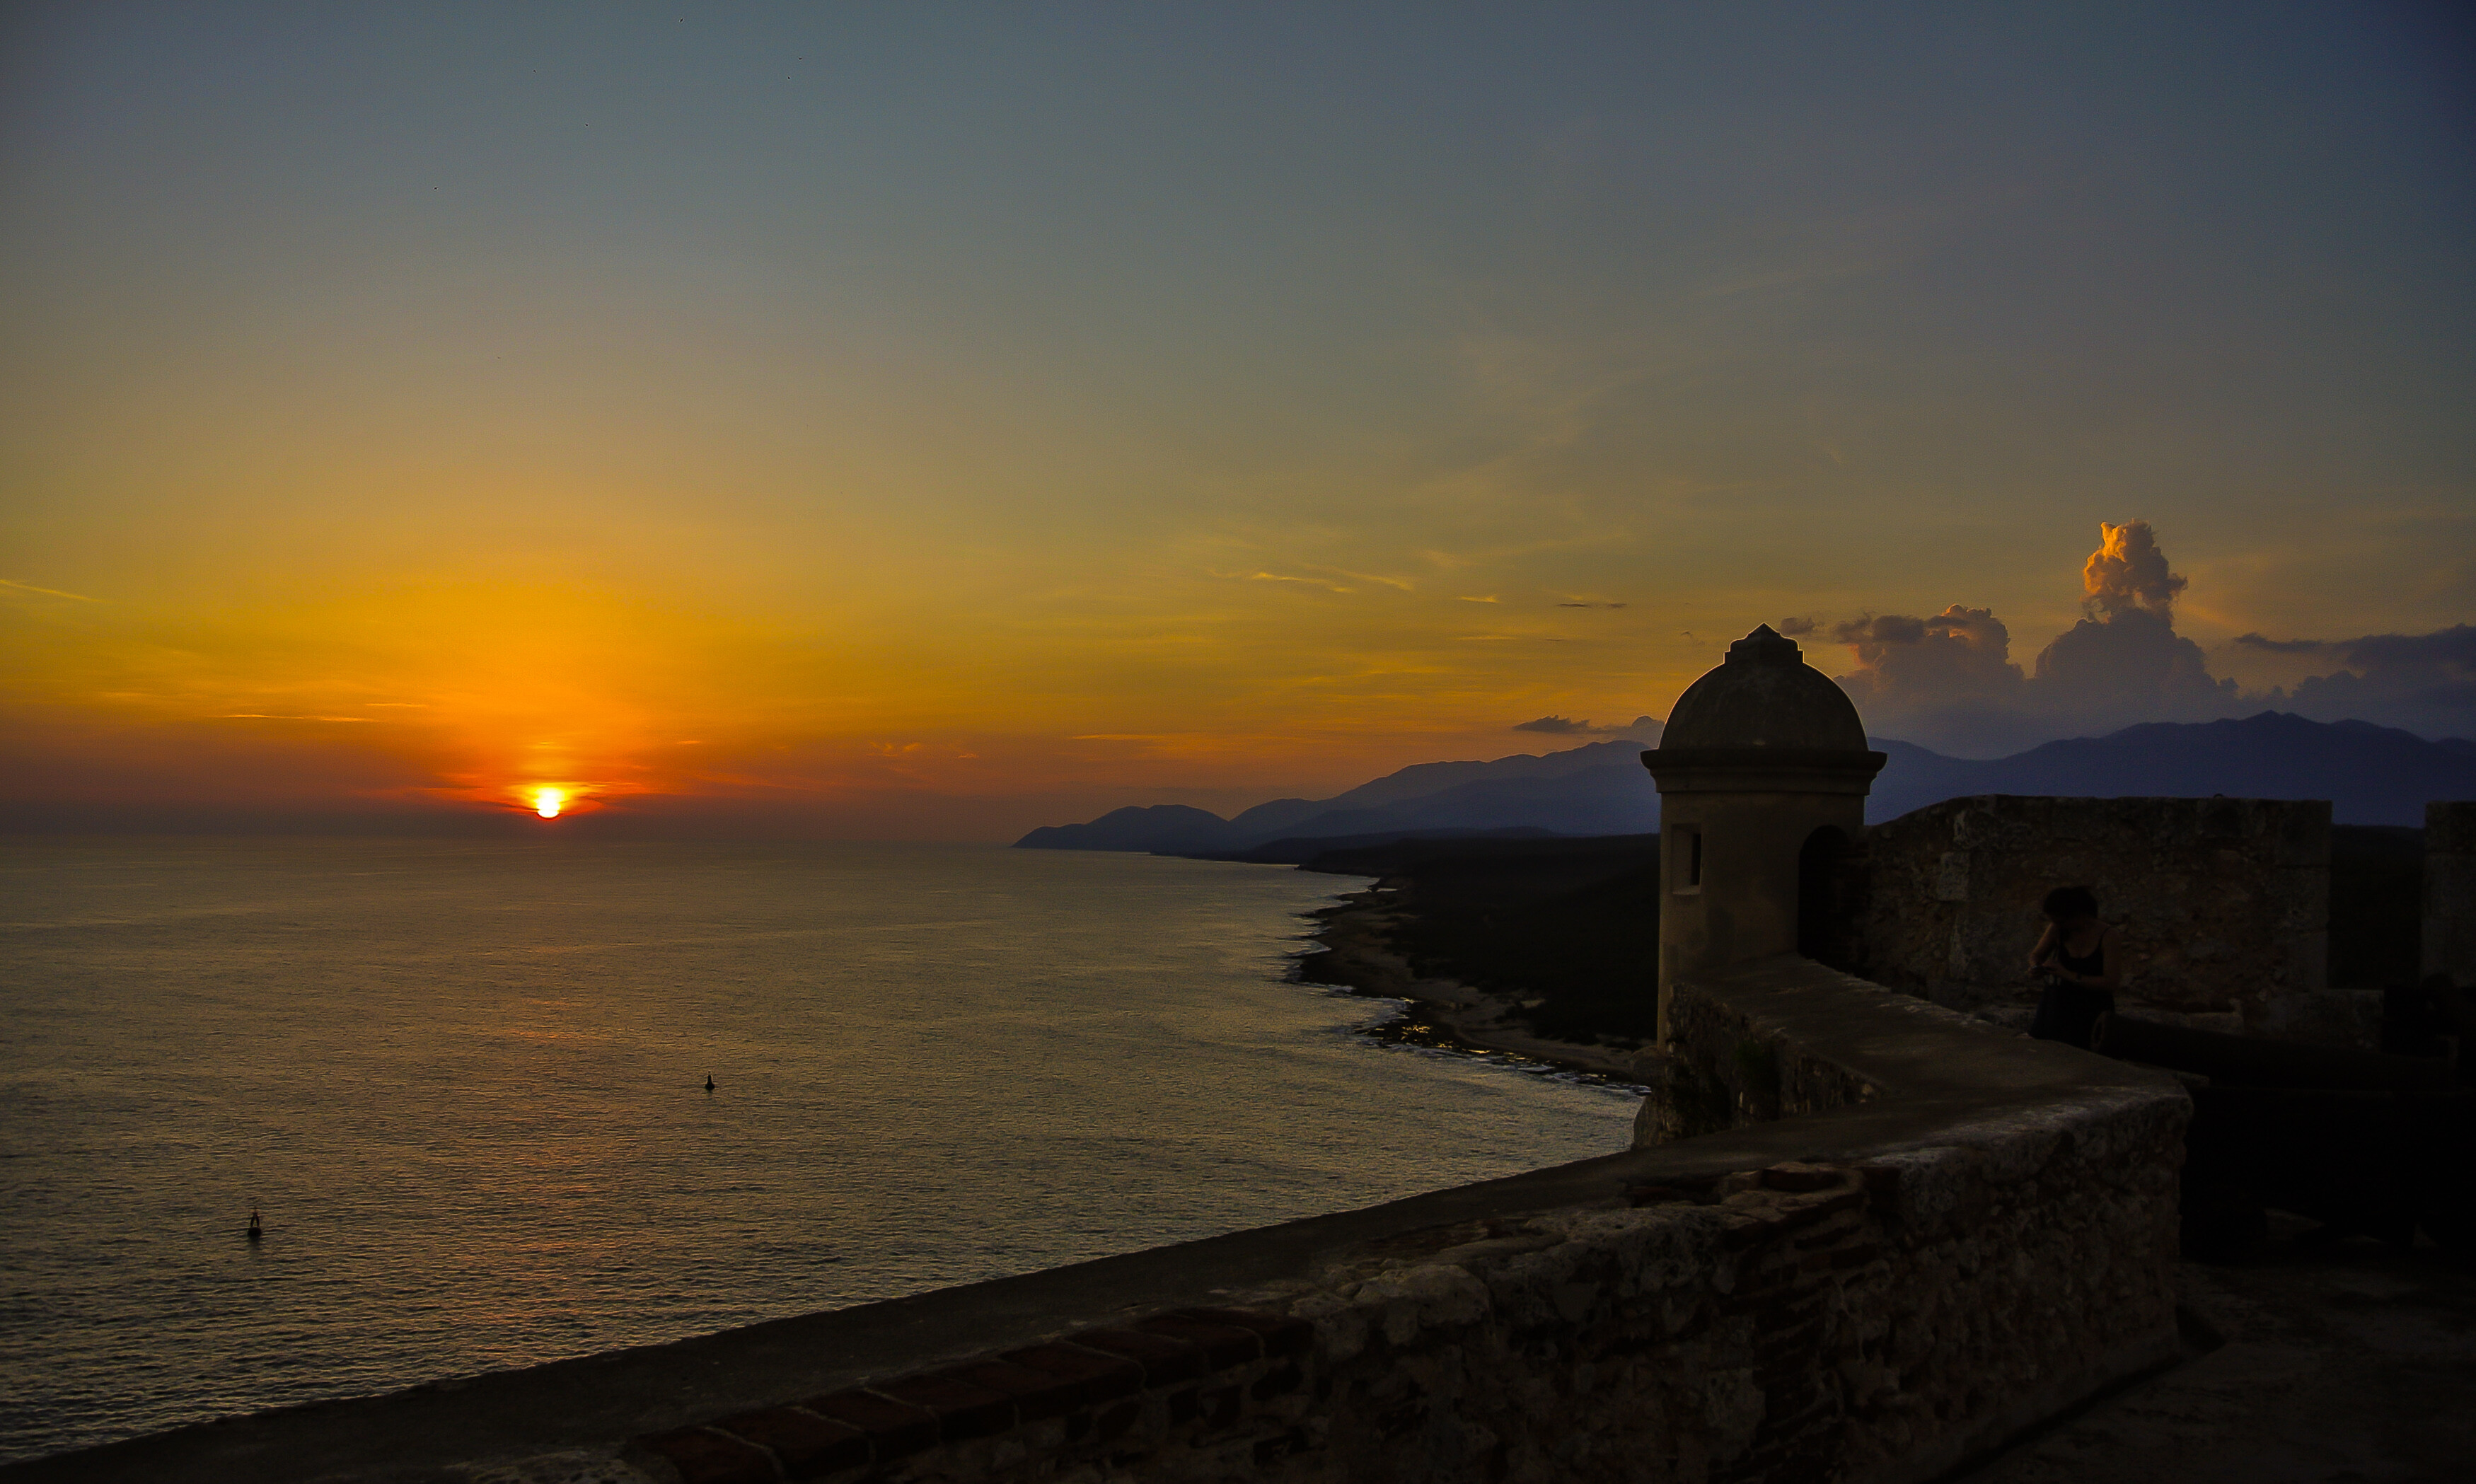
(463, 1081)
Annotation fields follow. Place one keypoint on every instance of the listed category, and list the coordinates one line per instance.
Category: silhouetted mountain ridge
(2371, 775)
(1576, 791)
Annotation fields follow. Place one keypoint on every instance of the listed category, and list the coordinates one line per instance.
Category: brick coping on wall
(1181, 1335)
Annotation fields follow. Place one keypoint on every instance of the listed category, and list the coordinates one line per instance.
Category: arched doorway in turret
(1823, 908)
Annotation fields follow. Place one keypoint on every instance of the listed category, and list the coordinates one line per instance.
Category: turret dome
(1765, 695)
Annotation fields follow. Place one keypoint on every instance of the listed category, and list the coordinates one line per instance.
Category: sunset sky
(932, 421)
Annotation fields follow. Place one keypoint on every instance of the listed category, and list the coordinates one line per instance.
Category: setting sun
(546, 802)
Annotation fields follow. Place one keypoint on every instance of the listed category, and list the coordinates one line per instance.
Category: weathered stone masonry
(1800, 1322)
(2224, 904)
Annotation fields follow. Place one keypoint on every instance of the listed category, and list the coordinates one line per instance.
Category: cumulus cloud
(2130, 660)
(1959, 655)
(2452, 650)
(1891, 628)
(2128, 573)
(1949, 681)
(2425, 683)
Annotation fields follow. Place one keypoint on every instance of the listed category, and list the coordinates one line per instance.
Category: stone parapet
(1209, 1382)
(1805, 1321)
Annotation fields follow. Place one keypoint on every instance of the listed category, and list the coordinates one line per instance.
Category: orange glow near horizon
(484, 692)
(1204, 444)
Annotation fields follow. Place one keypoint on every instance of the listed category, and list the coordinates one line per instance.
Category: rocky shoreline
(1361, 956)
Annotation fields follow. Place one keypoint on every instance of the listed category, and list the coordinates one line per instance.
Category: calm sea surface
(464, 1083)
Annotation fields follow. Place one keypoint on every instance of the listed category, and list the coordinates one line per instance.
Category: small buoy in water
(255, 1232)
(708, 1081)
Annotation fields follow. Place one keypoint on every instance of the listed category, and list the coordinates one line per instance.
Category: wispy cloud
(1568, 726)
(1305, 582)
(44, 592)
(275, 716)
(1329, 579)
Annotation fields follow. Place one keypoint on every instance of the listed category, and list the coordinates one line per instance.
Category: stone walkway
(2350, 1361)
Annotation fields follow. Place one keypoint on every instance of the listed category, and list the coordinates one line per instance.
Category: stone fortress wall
(1860, 1236)
(2449, 938)
(2223, 907)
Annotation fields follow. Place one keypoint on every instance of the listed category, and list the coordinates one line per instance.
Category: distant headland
(2371, 775)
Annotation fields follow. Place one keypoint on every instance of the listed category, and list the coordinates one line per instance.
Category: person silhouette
(2077, 960)
(708, 1081)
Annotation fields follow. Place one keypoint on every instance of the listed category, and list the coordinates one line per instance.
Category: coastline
(1360, 957)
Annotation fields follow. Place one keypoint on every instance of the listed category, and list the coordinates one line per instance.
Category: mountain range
(2371, 775)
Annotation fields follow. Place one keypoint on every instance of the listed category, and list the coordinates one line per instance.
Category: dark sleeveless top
(2070, 1012)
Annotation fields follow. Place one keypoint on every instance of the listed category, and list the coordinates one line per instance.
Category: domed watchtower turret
(1763, 771)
